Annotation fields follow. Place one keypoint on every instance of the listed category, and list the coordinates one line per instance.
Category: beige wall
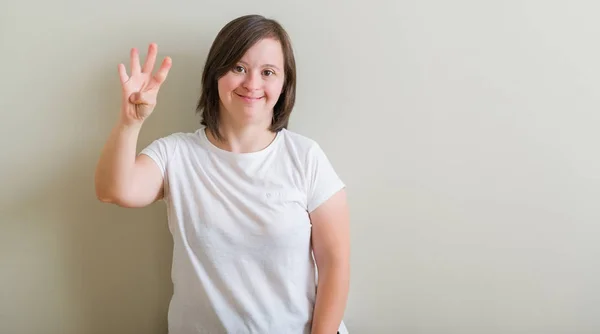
(467, 132)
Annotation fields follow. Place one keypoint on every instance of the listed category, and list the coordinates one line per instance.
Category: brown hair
(228, 48)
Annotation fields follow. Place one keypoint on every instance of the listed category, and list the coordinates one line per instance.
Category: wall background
(467, 132)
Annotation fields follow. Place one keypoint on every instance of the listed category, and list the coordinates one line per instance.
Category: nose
(252, 81)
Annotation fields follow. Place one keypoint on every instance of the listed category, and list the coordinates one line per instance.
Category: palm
(140, 89)
(141, 82)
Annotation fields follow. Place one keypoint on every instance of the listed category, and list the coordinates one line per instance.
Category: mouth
(249, 98)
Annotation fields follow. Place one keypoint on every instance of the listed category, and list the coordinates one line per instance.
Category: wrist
(128, 125)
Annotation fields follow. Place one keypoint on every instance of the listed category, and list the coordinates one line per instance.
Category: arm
(121, 177)
(331, 246)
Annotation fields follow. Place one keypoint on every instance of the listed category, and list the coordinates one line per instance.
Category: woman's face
(250, 90)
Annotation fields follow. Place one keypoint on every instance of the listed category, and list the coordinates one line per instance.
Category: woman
(252, 206)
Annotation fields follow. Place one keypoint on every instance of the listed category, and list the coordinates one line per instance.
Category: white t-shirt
(242, 258)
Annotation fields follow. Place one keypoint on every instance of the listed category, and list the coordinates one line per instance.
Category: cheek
(221, 88)
(274, 90)
(226, 84)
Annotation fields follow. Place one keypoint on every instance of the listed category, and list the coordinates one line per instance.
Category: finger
(163, 71)
(150, 58)
(135, 61)
(123, 73)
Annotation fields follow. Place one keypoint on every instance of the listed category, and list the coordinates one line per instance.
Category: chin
(252, 114)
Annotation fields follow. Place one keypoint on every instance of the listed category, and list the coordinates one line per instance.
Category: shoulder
(177, 139)
(166, 147)
(297, 137)
(302, 145)
(169, 150)
(307, 151)
(182, 136)
(321, 179)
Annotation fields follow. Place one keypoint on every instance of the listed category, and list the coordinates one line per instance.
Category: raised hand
(140, 89)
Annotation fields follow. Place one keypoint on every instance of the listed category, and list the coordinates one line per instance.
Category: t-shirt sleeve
(161, 151)
(323, 181)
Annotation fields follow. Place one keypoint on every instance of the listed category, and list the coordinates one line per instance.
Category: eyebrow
(265, 65)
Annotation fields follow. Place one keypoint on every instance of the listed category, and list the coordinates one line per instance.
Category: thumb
(136, 98)
(141, 98)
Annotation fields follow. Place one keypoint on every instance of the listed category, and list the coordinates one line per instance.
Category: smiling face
(250, 90)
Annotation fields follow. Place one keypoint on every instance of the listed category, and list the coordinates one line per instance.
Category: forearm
(117, 161)
(332, 294)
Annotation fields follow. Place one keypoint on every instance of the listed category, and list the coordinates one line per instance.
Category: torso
(241, 230)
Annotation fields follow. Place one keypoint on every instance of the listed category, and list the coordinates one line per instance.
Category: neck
(243, 138)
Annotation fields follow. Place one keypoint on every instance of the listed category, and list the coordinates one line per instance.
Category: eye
(268, 73)
(239, 69)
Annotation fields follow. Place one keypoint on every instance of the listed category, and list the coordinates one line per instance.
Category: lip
(249, 98)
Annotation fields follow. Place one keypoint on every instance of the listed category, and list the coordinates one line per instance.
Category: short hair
(229, 46)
